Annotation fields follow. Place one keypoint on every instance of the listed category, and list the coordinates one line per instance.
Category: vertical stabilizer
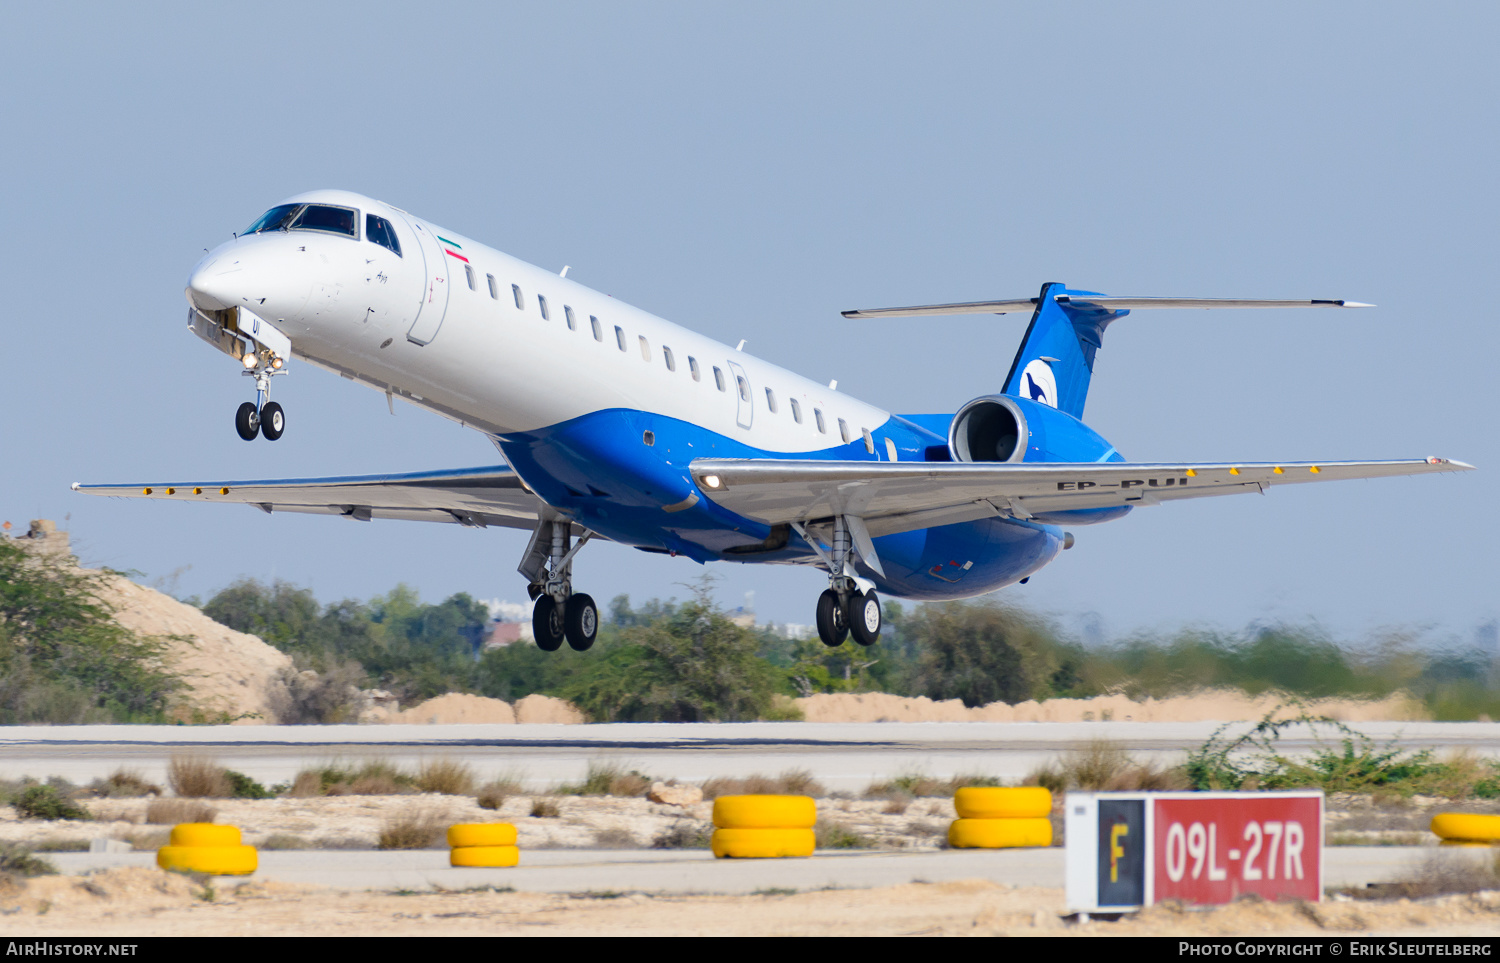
(1056, 359)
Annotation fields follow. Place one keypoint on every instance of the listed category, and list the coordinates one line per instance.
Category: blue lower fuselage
(600, 470)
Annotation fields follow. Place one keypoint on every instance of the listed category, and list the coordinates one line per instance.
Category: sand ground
(149, 902)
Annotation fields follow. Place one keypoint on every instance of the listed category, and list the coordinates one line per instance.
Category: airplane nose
(211, 286)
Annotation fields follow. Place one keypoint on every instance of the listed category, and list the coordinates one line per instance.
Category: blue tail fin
(1056, 360)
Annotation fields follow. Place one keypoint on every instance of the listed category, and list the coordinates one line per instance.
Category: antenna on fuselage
(564, 272)
(740, 346)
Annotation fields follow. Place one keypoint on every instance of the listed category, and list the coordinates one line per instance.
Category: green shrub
(242, 786)
(45, 802)
(18, 860)
(835, 835)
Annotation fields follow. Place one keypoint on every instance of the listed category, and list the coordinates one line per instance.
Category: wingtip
(74, 486)
(1449, 464)
(1355, 304)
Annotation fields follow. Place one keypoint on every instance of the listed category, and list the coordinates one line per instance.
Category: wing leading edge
(475, 497)
(898, 496)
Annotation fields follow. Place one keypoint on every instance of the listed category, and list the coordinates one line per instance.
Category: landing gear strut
(558, 613)
(261, 417)
(843, 609)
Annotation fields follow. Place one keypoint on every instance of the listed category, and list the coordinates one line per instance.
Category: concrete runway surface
(696, 871)
(843, 756)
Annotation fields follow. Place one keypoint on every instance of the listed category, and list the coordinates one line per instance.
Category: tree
(688, 663)
(982, 653)
(63, 658)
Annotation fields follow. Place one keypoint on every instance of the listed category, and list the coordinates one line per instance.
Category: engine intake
(988, 429)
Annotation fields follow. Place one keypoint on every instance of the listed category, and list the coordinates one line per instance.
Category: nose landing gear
(261, 417)
(558, 613)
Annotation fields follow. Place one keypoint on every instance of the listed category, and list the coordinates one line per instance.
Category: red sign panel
(1213, 848)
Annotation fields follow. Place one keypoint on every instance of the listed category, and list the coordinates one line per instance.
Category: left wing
(901, 496)
(476, 497)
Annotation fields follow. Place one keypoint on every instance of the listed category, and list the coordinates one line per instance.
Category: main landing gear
(261, 417)
(843, 609)
(558, 613)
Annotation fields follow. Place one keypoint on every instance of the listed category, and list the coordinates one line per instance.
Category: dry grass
(284, 841)
(792, 782)
(835, 835)
(684, 834)
(198, 777)
(915, 784)
(124, 784)
(615, 837)
(373, 777)
(897, 805)
(1440, 874)
(544, 808)
(608, 778)
(447, 777)
(413, 828)
(170, 812)
(1104, 765)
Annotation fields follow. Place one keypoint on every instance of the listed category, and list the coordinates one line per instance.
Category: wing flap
(477, 497)
(896, 496)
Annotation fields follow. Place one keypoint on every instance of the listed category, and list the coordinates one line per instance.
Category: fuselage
(598, 406)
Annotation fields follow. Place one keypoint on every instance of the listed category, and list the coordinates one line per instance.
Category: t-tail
(1056, 361)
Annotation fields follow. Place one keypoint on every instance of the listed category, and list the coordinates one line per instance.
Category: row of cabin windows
(671, 361)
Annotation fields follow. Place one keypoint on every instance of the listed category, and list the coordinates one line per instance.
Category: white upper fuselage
(350, 304)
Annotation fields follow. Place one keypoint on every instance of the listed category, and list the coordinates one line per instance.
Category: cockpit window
(276, 219)
(379, 230)
(333, 220)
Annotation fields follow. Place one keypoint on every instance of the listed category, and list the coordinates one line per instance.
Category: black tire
(547, 624)
(833, 629)
(581, 622)
(247, 422)
(272, 421)
(864, 617)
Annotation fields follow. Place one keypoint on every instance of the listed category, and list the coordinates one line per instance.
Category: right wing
(901, 496)
(475, 497)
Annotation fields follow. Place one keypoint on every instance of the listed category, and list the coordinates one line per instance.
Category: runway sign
(1126, 850)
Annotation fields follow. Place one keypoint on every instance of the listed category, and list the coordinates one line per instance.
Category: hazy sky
(749, 170)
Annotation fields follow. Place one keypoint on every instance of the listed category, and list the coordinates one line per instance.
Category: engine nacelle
(992, 428)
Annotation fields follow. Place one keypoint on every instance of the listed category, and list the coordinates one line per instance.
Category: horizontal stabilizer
(1092, 301)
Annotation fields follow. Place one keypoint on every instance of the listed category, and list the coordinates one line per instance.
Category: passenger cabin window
(869, 441)
(598, 331)
(328, 220)
(645, 349)
(515, 290)
(278, 218)
(541, 301)
(666, 354)
(620, 337)
(771, 400)
(796, 412)
(719, 378)
(469, 273)
(494, 286)
(818, 417)
(693, 367)
(843, 431)
(744, 387)
(379, 230)
(568, 314)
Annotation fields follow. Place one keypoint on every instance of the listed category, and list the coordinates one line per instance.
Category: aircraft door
(435, 293)
(743, 396)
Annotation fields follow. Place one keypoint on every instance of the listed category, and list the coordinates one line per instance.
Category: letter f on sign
(1116, 850)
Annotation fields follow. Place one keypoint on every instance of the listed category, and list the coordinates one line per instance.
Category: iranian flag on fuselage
(452, 248)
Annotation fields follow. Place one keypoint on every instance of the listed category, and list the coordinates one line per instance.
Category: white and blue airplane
(617, 424)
